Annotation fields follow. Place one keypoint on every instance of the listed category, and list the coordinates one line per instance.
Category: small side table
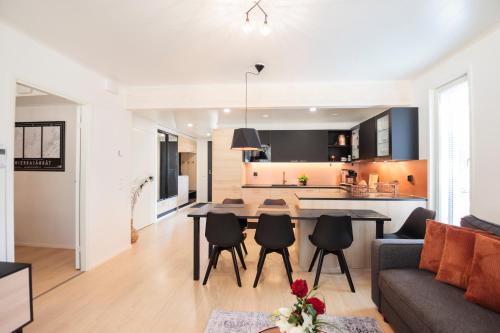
(16, 296)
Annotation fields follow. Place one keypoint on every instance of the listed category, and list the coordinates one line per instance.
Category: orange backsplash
(329, 173)
(388, 171)
(272, 173)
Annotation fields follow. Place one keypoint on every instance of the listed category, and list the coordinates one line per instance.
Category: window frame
(435, 142)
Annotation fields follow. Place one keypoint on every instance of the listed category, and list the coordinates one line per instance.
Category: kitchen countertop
(293, 186)
(349, 196)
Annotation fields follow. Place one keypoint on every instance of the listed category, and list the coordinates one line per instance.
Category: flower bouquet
(303, 316)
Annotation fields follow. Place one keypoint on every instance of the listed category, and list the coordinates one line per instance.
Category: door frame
(82, 126)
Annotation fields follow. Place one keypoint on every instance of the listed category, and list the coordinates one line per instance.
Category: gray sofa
(412, 300)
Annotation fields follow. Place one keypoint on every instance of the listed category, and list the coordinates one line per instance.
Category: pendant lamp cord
(246, 95)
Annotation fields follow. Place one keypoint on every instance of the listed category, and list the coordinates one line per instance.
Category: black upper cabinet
(265, 137)
(391, 135)
(403, 134)
(299, 146)
(367, 139)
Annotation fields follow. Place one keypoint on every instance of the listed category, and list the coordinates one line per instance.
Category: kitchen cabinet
(355, 143)
(397, 134)
(299, 146)
(367, 139)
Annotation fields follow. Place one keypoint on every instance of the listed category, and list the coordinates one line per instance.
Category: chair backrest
(274, 231)
(228, 201)
(414, 226)
(275, 202)
(333, 232)
(223, 229)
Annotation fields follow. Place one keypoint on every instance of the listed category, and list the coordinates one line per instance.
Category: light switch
(3, 157)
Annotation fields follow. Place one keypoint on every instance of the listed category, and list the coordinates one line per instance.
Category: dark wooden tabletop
(250, 211)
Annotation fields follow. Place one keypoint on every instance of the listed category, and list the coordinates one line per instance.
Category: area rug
(254, 322)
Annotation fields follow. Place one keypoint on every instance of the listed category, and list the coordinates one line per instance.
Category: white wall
(481, 61)
(45, 202)
(106, 137)
(144, 164)
(331, 94)
(201, 170)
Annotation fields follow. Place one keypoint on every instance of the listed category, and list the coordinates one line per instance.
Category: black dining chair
(275, 202)
(243, 222)
(332, 235)
(414, 226)
(223, 232)
(274, 234)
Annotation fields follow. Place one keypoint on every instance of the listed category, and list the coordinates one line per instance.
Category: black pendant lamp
(247, 138)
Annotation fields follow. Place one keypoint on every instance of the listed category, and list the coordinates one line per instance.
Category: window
(453, 151)
(168, 165)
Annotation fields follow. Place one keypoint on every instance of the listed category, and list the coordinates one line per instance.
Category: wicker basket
(359, 190)
(392, 188)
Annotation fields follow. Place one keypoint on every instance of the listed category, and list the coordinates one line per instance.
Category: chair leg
(288, 256)
(215, 251)
(286, 261)
(315, 256)
(235, 264)
(240, 254)
(318, 269)
(216, 258)
(351, 285)
(342, 269)
(210, 249)
(260, 265)
(244, 247)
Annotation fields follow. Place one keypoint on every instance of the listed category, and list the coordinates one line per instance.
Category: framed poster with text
(39, 146)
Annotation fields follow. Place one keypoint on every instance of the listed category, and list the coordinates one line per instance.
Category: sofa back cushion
(470, 221)
(484, 282)
(456, 262)
(432, 249)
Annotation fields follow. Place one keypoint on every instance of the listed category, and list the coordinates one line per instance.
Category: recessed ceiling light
(208, 134)
(190, 125)
(227, 110)
(335, 114)
(313, 109)
(265, 116)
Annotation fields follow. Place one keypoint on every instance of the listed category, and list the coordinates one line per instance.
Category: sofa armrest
(393, 253)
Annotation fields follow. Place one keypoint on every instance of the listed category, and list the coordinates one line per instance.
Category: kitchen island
(397, 207)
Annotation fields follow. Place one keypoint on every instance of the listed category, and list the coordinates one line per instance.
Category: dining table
(253, 211)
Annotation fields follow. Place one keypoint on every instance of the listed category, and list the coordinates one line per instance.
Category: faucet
(284, 178)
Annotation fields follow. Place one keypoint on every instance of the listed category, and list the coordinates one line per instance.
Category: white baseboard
(54, 246)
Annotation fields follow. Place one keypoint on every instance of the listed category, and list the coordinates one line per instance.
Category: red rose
(317, 304)
(299, 288)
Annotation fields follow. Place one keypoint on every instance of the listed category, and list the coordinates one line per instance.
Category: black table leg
(379, 232)
(196, 248)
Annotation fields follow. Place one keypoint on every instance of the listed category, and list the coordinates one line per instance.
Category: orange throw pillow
(484, 282)
(435, 234)
(456, 262)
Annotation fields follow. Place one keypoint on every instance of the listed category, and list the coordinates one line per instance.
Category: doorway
(46, 187)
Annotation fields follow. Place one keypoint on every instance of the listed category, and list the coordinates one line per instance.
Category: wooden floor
(50, 267)
(149, 288)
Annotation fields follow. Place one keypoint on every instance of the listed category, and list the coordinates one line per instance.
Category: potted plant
(136, 192)
(302, 317)
(303, 180)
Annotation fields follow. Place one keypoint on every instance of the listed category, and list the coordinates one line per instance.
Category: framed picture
(39, 146)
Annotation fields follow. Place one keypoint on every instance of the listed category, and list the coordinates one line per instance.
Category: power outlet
(255, 173)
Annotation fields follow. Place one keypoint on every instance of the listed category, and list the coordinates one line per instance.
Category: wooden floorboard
(149, 288)
(50, 266)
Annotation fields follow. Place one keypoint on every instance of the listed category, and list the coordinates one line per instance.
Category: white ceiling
(204, 121)
(157, 42)
(28, 96)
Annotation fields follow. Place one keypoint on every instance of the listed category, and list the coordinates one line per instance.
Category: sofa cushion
(456, 262)
(470, 221)
(428, 305)
(484, 285)
(432, 250)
